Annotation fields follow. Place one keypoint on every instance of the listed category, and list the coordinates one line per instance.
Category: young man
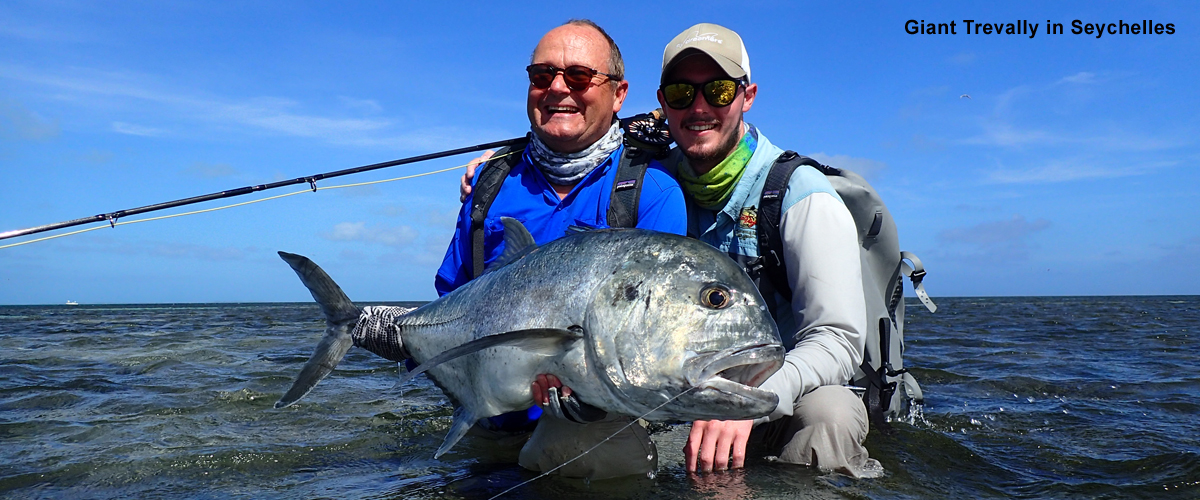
(722, 163)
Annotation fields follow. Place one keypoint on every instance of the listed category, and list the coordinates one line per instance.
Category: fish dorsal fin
(540, 340)
(463, 420)
(517, 243)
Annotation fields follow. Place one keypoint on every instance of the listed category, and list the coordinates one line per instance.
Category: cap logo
(697, 36)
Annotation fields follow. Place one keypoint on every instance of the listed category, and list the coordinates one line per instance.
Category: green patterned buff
(713, 189)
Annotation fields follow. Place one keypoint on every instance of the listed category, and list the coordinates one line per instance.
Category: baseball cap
(718, 42)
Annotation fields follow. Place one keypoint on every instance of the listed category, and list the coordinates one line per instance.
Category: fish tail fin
(340, 318)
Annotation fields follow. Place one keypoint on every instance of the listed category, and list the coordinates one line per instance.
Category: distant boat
(72, 303)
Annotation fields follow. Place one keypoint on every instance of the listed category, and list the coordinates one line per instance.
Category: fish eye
(715, 297)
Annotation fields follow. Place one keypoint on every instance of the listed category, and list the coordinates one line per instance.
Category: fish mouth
(739, 370)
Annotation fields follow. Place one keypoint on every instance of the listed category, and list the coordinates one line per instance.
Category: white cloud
(270, 114)
(363, 105)
(124, 90)
(174, 250)
(139, 130)
(996, 132)
(1083, 77)
(1004, 134)
(1002, 128)
(1070, 170)
(396, 236)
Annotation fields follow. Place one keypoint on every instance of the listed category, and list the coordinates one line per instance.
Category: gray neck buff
(569, 168)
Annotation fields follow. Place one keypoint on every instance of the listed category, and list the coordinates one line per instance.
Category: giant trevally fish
(636, 322)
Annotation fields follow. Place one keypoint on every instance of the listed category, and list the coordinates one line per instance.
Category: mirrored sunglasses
(719, 93)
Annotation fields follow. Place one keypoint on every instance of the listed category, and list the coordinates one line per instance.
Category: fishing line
(597, 445)
(114, 224)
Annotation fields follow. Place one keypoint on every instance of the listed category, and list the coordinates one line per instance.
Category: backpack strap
(770, 262)
(489, 178)
(646, 137)
(627, 187)
(916, 273)
(622, 207)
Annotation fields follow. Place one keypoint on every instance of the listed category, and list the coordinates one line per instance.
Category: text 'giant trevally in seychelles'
(638, 323)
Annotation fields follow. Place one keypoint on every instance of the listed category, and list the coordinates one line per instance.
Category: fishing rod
(311, 180)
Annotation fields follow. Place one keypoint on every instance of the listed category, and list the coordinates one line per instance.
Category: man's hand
(713, 443)
(541, 388)
(464, 186)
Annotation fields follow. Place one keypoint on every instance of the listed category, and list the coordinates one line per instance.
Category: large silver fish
(629, 319)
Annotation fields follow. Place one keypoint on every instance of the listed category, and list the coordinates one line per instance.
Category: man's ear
(750, 93)
(622, 92)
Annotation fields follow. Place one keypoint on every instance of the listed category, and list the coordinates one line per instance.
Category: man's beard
(717, 154)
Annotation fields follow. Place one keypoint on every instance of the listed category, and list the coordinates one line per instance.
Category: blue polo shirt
(526, 195)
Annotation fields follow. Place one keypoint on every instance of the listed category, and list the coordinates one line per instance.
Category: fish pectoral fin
(539, 340)
(517, 243)
(463, 420)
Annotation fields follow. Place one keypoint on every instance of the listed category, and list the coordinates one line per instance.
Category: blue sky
(1070, 170)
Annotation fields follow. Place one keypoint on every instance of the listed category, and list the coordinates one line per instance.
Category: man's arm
(820, 244)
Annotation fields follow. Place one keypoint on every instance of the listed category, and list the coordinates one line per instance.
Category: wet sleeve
(661, 206)
(821, 253)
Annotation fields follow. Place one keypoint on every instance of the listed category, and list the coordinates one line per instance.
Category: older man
(566, 177)
(722, 164)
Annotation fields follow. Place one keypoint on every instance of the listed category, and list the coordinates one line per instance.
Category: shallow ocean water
(1049, 397)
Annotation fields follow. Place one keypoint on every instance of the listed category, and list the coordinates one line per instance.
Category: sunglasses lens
(679, 95)
(578, 77)
(541, 75)
(720, 93)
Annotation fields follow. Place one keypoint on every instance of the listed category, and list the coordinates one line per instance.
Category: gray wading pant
(556, 441)
(826, 431)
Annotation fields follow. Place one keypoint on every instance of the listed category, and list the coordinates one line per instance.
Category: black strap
(627, 187)
(489, 178)
(770, 262)
(622, 207)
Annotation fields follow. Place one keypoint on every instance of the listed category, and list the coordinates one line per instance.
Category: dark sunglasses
(576, 77)
(718, 93)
